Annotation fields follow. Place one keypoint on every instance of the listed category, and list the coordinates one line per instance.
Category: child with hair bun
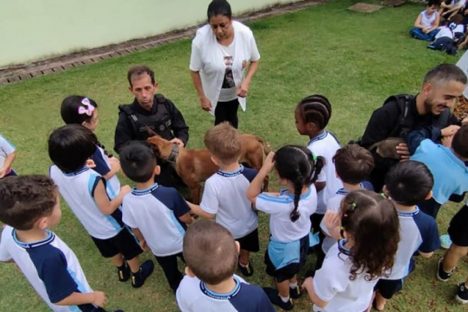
(290, 212)
(77, 109)
(366, 252)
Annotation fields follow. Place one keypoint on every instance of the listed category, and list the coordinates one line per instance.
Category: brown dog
(194, 166)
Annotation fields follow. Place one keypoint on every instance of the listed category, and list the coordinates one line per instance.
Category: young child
(224, 193)
(444, 40)
(157, 214)
(458, 233)
(353, 165)
(447, 165)
(425, 26)
(449, 8)
(290, 212)
(84, 191)
(407, 184)
(7, 156)
(81, 110)
(30, 205)
(210, 284)
(353, 266)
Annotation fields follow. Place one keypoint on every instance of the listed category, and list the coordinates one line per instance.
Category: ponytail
(295, 214)
(317, 166)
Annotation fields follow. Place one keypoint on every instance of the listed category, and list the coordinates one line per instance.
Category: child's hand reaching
(124, 190)
(333, 223)
(100, 298)
(268, 163)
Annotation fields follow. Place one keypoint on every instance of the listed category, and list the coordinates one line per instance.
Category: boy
(407, 184)
(425, 26)
(458, 233)
(353, 165)
(157, 214)
(30, 205)
(210, 284)
(224, 196)
(95, 203)
(447, 165)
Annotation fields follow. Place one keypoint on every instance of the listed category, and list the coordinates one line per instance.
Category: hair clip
(87, 108)
(352, 206)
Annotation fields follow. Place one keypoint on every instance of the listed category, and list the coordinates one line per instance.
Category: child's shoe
(441, 274)
(276, 299)
(462, 294)
(123, 272)
(246, 270)
(295, 292)
(138, 279)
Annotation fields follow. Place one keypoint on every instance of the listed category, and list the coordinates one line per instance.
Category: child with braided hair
(290, 212)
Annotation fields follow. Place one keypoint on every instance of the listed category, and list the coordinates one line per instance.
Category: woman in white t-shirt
(425, 26)
(222, 51)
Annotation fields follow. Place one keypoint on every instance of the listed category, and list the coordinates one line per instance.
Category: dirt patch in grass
(365, 7)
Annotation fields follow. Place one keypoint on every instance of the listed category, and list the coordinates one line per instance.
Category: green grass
(355, 59)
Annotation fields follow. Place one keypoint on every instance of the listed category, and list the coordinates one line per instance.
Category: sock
(284, 299)
(292, 285)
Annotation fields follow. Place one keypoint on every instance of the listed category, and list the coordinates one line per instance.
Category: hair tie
(86, 108)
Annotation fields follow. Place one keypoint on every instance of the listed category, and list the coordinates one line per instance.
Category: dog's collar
(174, 153)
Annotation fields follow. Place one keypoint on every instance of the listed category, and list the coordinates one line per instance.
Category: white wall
(36, 29)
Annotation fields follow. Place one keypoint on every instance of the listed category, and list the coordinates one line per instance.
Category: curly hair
(372, 222)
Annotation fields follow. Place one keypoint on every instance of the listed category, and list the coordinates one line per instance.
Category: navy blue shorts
(250, 241)
(124, 243)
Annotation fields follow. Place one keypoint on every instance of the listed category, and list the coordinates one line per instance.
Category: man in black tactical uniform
(148, 114)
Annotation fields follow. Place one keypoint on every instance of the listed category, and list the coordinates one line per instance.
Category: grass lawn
(355, 59)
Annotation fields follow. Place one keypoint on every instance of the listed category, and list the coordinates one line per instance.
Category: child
(210, 284)
(444, 40)
(30, 206)
(81, 110)
(425, 26)
(447, 165)
(353, 165)
(224, 193)
(449, 8)
(157, 214)
(352, 266)
(7, 156)
(458, 233)
(290, 212)
(84, 191)
(407, 184)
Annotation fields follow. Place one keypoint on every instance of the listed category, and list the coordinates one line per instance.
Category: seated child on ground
(7, 156)
(98, 211)
(444, 40)
(81, 110)
(353, 266)
(449, 8)
(224, 195)
(157, 214)
(353, 165)
(30, 205)
(448, 167)
(425, 26)
(407, 184)
(210, 284)
(290, 212)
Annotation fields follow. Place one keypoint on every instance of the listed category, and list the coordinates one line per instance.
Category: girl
(312, 115)
(81, 110)
(290, 212)
(85, 193)
(352, 267)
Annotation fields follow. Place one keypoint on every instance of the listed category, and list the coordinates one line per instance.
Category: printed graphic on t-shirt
(228, 81)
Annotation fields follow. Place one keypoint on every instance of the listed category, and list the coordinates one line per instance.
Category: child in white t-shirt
(7, 156)
(425, 26)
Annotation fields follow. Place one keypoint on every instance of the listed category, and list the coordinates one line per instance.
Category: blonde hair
(223, 141)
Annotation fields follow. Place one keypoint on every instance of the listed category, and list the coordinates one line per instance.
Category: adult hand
(100, 298)
(243, 90)
(205, 104)
(450, 130)
(177, 141)
(403, 151)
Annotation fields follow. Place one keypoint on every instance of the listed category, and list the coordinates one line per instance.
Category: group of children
(364, 241)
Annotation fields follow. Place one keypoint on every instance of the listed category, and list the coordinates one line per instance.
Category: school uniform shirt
(208, 58)
(49, 265)
(332, 284)
(194, 296)
(225, 195)
(450, 173)
(77, 189)
(325, 144)
(279, 207)
(155, 211)
(103, 167)
(6, 148)
(444, 31)
(418, 232)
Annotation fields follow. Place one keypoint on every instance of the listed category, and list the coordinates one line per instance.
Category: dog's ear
(153, 143)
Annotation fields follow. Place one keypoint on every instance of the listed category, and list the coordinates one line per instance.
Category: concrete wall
(36, 29)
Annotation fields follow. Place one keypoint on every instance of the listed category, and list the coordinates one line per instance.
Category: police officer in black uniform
(148, 114)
